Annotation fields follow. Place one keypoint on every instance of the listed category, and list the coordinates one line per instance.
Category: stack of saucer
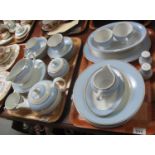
(8, 55)
(109, 93)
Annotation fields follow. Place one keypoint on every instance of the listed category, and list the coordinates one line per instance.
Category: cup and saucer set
(111, 91)
(32, 89)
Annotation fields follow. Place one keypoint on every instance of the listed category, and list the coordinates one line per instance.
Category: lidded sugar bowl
(58, 67)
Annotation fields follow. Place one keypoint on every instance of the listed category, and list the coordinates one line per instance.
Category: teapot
(43, 97)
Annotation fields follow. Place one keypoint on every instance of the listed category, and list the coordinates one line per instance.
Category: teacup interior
(104, 78)
(55, 40)
(123, 29)
(103, 35)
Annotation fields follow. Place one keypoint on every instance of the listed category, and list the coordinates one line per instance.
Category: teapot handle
(61, 83)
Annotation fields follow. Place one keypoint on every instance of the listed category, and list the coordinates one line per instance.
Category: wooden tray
(80, 28)
(144, 121)
(53, 117)
(74, 31)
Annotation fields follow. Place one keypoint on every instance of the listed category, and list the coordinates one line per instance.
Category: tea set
(17, 30)
(111, 91)
(32, 89)
(106, 94)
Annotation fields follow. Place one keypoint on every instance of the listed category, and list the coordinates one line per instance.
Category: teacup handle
(59, 80)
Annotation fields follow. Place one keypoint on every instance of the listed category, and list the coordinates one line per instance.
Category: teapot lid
(56, 65)
(41, 92)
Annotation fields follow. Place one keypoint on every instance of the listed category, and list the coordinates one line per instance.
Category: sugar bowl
(58, 67)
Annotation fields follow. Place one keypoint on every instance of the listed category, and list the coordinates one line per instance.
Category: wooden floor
(5, 128)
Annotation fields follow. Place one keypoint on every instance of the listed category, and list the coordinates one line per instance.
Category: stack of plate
(118, 103)
(125, 51)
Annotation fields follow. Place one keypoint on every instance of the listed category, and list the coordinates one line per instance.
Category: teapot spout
(24, 104)
(11, 78)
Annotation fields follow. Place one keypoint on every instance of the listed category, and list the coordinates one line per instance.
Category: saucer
(5, 86)
(15, 52)
(42, 51)
(126, 51)
(38, 75)
(66, 51)
(133, 98)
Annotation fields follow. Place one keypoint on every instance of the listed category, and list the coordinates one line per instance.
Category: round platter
(129, 108)
(128, 51)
